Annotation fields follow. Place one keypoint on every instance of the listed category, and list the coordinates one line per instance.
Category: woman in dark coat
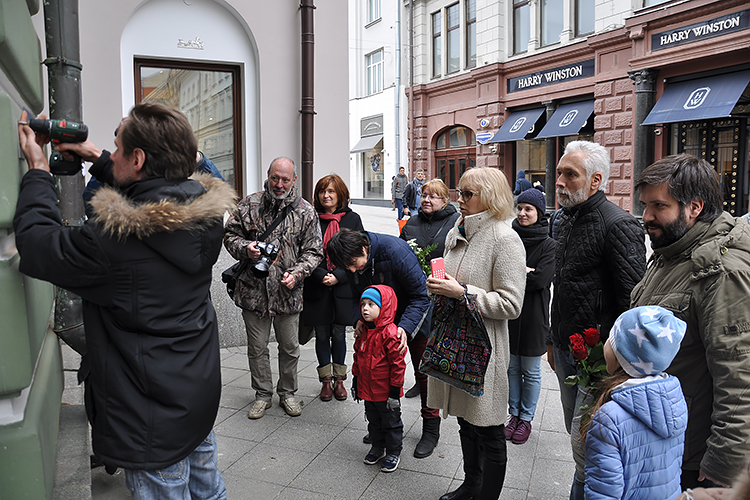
(327, 293)
(528, 333)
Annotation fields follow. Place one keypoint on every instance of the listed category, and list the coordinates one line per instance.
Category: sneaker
(291, 407)
(510, 427)
(258, 409)
(374, 456)
(522, 432)
(390, 463)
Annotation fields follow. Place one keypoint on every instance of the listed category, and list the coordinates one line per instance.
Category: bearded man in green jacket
(700, 270)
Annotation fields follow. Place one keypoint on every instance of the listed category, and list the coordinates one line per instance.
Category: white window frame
(373, 11)
(374, 72)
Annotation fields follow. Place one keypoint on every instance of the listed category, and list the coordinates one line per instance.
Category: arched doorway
(455, 151)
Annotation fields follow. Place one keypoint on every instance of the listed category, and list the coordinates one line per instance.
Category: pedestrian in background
(397, 192)
(483, 257)
(327, 294)
(413, 193)
(528, 334)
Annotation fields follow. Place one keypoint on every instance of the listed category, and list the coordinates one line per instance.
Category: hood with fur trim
(150, 208)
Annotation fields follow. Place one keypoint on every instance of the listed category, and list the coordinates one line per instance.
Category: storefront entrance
(724, 144)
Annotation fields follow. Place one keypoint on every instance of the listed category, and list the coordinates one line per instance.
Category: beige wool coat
(491, 262)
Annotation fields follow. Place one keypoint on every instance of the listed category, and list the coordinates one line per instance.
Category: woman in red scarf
(327, 294)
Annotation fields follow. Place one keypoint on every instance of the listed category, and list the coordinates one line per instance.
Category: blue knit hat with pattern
(373, 294)
(533, 197)
(646, 339)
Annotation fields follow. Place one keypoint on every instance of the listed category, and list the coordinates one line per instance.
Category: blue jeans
(524, 385)
(330, 340)
(564, 366)
(195, 477)
(400, 208)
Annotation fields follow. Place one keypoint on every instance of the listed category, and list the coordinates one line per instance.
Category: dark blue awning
(518, 125)
(568, 119)
(699, 99)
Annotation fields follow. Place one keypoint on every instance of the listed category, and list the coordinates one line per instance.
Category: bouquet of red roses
(588, 351)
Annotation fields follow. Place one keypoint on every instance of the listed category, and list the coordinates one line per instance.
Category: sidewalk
(318, 455)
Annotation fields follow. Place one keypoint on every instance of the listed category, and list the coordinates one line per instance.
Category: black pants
(485, 458)
(385, 427)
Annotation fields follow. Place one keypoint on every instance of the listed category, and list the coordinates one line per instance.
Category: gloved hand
(355, 395)
(393, 404)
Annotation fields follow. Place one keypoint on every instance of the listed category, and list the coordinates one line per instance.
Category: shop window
(374, 182)
(471, 33)
(521, 26)
(374, 63)
(192, 88)
(552, 21)
(373, 10)
(455, 152)
(531, 156)
(453, 38)
(437, 44)
(585, 10)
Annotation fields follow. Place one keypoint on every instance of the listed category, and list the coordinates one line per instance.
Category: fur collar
(120, 217)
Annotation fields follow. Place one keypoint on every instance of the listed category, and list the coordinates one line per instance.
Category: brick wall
(613, 122)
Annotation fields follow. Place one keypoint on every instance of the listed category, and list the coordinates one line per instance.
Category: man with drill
(142, 265)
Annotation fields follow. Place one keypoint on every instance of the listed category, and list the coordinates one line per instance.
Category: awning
(568, 119)
(518, 125)
(367, 143)
(699, 99)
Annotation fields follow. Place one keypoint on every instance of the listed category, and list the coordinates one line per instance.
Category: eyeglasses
(465, 194)
(433, 197)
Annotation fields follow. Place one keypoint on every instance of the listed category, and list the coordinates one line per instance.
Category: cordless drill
(62, 131)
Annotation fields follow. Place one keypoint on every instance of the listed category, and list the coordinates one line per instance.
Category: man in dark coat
(142, 266)
(600, 257)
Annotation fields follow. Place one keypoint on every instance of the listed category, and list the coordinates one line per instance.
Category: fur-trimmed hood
(149, 208)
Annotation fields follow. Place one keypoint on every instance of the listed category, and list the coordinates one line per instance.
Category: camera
(268, 254)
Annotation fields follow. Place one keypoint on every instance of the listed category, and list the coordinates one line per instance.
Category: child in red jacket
(378, 372)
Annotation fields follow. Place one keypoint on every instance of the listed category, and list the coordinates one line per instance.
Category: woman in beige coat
(485, 257)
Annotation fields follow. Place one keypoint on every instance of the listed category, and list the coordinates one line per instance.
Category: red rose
(580, 351)
(592, 336)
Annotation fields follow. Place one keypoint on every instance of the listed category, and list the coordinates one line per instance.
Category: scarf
(333, 228)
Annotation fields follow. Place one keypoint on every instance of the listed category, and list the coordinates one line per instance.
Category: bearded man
(700, 270)
(600, 257)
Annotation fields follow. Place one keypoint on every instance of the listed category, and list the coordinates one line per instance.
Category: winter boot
(324, 374)
(430, 436)
(339, 375)
(472, 485)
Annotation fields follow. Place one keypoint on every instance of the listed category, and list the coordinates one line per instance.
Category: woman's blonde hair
(436, 186)
(493, 190)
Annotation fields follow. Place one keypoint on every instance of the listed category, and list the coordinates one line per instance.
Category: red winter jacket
(378, 365)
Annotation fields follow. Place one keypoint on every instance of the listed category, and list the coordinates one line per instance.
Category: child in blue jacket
(636, 436)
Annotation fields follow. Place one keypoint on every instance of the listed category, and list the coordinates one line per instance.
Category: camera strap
(277, 221)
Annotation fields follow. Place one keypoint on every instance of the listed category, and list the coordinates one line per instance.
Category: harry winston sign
(710, 28)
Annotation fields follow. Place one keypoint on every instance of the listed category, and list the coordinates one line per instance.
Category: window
(453, 38)
(471, 33)
(437, 42)
(374, 72)
(373, 10)
(552, 21)
(584, 17)
(649, 3)
(521, 26)
(456, 151)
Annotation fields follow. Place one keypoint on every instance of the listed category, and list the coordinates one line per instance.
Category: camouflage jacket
(300, 251)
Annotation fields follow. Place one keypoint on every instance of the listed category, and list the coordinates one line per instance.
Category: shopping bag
(458, 347)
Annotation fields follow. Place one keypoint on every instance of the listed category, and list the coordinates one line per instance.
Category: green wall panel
(28, 451)
(20, 52)
(40, 297)
(10, 166)
(16, 365)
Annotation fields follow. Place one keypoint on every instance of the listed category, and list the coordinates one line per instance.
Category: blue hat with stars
(646, 339)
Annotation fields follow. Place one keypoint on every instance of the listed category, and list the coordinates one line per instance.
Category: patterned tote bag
(458, 348)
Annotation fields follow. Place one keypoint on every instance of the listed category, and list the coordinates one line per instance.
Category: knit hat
(533, 197)
(646, 339)
(373, 294)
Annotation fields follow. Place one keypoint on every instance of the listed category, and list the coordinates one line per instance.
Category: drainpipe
(411, 82)
(643, 142)
(398, 86)
(308, 97)
(64, 72)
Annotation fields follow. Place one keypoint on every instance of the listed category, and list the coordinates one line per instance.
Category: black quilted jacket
(600, 257)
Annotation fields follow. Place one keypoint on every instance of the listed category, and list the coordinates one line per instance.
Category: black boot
(430, 436)
(472, 485)
(413, 392)
(494, 460)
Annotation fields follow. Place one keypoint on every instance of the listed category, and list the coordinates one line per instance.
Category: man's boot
(430, 436)
(339, 375)
(324, 374)
(472, 485)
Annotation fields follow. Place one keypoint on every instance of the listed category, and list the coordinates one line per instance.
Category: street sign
(484, 137)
